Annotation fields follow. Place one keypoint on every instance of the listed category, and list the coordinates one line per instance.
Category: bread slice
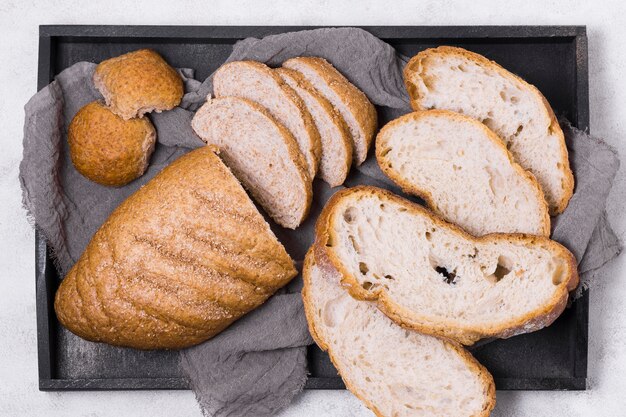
(176, 263)
(262, 154)
(259, 83)
(395, 372)
(463, 171)
(334, 133)
(462, 81)
(350, 102)
(432, 276)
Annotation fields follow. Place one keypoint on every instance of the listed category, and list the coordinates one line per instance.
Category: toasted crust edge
(415, 64)
(313, 255)
(414, 189)
(532, 321)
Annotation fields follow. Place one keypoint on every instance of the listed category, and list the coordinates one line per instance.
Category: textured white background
(19, 20)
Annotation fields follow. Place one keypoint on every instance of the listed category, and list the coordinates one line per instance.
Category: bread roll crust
(138, 82)
(107, 149)
(177, 262)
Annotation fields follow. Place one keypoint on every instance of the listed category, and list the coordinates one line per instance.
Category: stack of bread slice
(278, 129)
(393, 290)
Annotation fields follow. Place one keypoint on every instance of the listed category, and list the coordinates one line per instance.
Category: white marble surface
(19, 20)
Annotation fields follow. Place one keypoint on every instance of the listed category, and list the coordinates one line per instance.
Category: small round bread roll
(107, 149)
(137, 83)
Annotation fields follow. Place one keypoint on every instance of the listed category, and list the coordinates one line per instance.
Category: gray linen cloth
(257, 365)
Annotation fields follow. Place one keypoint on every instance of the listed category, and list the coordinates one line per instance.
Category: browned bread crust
(108, 149)
(138, 82)
(176, 263)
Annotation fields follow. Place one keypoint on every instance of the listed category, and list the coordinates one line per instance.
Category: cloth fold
(257, 365)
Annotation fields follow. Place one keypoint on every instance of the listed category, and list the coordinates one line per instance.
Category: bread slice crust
(356, 102)
(316, 257)
(416, 65)
(465, 334)
(309, 143)
(411, 188)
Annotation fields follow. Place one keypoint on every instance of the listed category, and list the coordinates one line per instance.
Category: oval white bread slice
(257, 82)
(432, 276)
(463, 171)
(261, 153)
(465, 82)
(395, 372)
(334, 133)
(356, 109)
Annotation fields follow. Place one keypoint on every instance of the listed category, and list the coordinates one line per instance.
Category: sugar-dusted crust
(317, 256)
(355, 100)
(108, 149)
(176, 263)
(415, 66)
(532, 321)
(313, 151)
(137, 83)
(343, 138)
(387, 167)
(294, 155)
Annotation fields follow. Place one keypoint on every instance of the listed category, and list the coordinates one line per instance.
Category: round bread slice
(334, 133)
(358, 112)
(463, 171)
(262, 154)
(138, 82)
(432, 276)
(465, 82)
(108, 149)
(257, 82)
(395, 372)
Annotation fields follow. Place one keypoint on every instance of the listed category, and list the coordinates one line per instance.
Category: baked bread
(433, 277)
(138, 82)
(334, 133)
(261, 153)
(176, 263)
(463, 171)
(108, 149)
(353, 105)
(462, 81)
(395, 372)
(257, 82)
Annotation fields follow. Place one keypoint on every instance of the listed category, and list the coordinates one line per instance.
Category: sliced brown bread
(257, 82)
(395, 372)
(356, 109)
(465, 82)
(334, 133)
(432, 276)
(262, 154)
(463, 171)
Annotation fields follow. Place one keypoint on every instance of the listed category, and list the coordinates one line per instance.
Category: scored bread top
(463, 171)
(137, 83)
(257, 82)
(432, 276)
(465, 82)
(175, 263)
(262, 154)
(335, 137)
(356, 109)
(395, 372)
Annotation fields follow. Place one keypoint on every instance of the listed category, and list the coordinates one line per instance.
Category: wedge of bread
(358, 112)
(465, 82)
(463, 171)
(262, 154)
(395, 372)
(432, 276)
(334, 133)
(257, 82)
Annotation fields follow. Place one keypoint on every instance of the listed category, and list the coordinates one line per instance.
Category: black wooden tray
(554, 58)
